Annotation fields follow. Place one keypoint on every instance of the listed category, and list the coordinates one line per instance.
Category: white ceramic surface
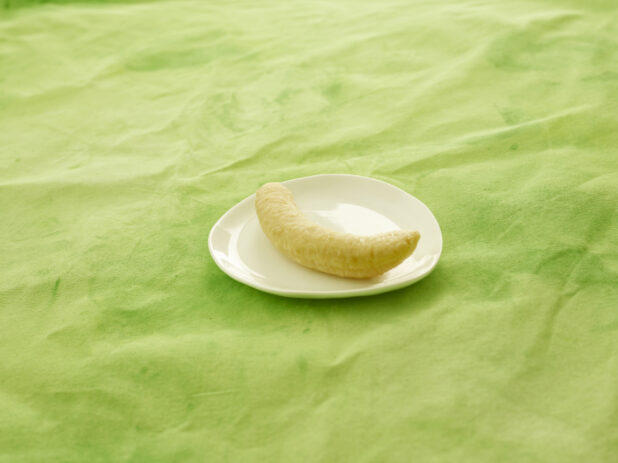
(348, 203)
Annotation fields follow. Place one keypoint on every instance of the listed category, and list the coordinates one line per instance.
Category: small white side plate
(348, 203)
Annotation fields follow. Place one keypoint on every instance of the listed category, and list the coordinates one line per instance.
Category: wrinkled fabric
(128, 129)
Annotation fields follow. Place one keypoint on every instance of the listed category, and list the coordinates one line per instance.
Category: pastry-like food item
(329, 251)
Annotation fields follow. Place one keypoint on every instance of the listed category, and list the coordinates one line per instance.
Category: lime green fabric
(128, 129)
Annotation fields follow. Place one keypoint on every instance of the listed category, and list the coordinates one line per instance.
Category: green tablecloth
(127, 129)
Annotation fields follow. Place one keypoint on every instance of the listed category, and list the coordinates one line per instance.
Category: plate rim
(326, 294)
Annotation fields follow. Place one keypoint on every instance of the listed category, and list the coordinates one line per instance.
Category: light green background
(128, 129)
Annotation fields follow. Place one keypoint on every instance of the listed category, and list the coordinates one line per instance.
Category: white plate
(348, 203)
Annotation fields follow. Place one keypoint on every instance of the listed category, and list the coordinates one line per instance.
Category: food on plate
(329, 251)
